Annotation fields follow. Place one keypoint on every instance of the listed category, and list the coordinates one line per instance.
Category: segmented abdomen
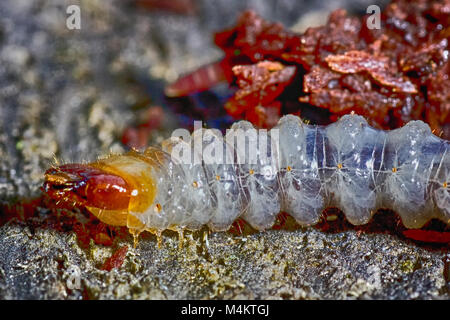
(300, 169)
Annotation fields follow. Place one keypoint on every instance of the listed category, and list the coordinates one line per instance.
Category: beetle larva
(347, 164)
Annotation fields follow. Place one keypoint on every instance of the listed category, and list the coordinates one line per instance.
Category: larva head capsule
(118, 190)
(87, 185)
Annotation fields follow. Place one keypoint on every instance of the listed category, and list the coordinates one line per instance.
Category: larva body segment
(302, 191)
(353, 154)
(201, 204)
(258, 178)
(413, 158)
(300, 169)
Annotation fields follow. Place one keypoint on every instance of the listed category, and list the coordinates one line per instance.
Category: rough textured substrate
(271, 265)
(69, 93)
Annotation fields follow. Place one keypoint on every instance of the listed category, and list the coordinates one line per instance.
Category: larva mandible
(347, 164)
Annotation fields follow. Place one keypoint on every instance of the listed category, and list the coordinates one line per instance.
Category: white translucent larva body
(347, 164)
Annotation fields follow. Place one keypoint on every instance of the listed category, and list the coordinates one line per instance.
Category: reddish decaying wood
(391, 76)
(201, 79)
(428, 236)
(116, 260)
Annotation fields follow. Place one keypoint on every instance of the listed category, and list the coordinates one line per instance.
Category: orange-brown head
(91, 187)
